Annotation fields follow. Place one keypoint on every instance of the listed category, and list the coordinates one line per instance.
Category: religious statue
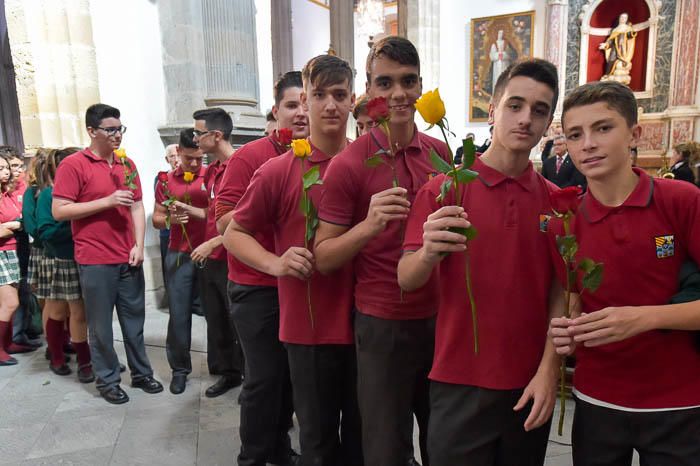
(619, 50)
(500, 59)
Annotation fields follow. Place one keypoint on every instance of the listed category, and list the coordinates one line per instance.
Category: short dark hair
(270, 116)
(536, 68)
(56, 156)
(394, 48)
(615, 95)
(326, 70)
(287, 80)
(98, 112)
(10, 151)
(216, 119)
(187, 139)
(360, 106)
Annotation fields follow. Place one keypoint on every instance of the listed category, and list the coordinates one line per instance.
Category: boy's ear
(636, 135)
(492, 109)
(274, 111)
(304, 101)
(352, 101)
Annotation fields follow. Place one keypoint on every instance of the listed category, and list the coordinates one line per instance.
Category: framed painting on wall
(496, 42)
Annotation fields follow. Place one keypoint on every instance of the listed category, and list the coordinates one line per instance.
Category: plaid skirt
(64, 282)
(9, 268)
(40, 273)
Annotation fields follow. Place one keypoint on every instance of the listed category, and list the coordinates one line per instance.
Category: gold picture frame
(495, 42)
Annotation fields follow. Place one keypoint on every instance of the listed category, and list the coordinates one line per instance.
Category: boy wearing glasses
(108, 222)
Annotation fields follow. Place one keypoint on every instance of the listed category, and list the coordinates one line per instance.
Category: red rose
(378, 109)
(163, 177)
(565, 200)
(284, 136)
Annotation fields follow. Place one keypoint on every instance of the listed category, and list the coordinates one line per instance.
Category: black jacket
(568, 174)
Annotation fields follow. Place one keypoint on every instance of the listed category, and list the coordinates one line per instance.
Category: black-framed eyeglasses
(198, 134)
(112, 130)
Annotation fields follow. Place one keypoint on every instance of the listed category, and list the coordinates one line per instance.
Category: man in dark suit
(559, 169)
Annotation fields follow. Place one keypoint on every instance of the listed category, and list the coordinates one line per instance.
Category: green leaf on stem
(468, 153)
(167, 202)
(438, 163)
(374, 161)
(470, 233)
(567, 247)
(311, 177)
(592, 276)
(464, 175)
(444, 189)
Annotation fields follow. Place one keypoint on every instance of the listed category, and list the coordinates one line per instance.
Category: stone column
(10, 126)
(423, 29)
(342, 29)
(282, 43)
(402, 11)
(555, 48)
(685, 72)
(183, 64)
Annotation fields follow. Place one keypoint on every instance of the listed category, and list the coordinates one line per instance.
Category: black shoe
(122, 368)
(115, 395)
(294, 459)
(413, 462)
(60, 370)
(9, 362)
(86, 374)
(148, 384)
(47, 355)
(177, 385)
(223, 385)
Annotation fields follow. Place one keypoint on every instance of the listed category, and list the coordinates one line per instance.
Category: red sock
(83, 352)
(4, 327)
(54, 338)
(66, 332)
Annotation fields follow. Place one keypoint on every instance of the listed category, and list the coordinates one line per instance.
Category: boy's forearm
(414, 271)
(78, 210)
(682, 316)
(333, 252)
(138, 216)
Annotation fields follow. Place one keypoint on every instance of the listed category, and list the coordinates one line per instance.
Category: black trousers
(393, 361)
(478, 427)
(224, 354)
(266, 396)
(324, 382)
(606, 437)
(181, 285)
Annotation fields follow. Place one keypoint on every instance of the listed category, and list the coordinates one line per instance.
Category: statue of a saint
(500, 58)
(619, 49)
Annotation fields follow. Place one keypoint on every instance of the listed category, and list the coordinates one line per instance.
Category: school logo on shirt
(544, 222)
(665, 246)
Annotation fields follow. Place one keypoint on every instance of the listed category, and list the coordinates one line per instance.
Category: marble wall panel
(654, 136)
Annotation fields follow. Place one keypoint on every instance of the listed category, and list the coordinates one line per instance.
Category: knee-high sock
(83, 352)
(4, 328)
(54, 338)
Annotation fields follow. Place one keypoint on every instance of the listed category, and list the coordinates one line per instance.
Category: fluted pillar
(10, 126)
(282, 43)
(555, 46)
(342, 29)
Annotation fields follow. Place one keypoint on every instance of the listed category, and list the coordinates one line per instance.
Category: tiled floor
(50, 420)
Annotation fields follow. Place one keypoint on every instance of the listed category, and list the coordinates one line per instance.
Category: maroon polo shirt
(212, 181)
(193, 193)
(235, 181)
(348, 188)
(642, 244)
(106, 237)
(272, 199)
(10, 210)
(511, 273)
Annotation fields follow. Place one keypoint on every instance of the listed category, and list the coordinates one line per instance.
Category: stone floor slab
(89, 457)
(67, 436)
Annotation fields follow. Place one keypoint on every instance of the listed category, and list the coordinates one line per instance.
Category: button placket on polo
(511, 217)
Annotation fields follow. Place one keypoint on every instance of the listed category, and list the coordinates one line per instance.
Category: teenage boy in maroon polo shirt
(212, 130)
(637, 379)
(362, 222)
(266, 397)
(187, 217)
(492, 407)
(321, 354)
(108, 225)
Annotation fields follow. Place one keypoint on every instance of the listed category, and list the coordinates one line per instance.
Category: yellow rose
(431, 107)
(188, 177)
(121, 153)
(301, 148)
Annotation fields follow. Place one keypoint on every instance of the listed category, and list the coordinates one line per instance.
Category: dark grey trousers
(606, 437)
(477, 426)
(324, 382)
(224, 354)
(393, 361)
(104, 287)
(181, 285)
(266, 396)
